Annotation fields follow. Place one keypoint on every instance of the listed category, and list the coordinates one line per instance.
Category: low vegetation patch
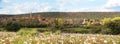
(27, 31)
(13, 38)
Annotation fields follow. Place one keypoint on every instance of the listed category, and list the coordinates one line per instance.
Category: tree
(115, 19)
(114, 25)
(57, 25)
(105, 20)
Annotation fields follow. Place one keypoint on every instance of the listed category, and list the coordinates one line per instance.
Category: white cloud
(26, 8)
(111, 3)
(2, 11)
(6, 1)
(92, 9)
(99, 8)
(63, 3)
(91, 0)
(104, 8)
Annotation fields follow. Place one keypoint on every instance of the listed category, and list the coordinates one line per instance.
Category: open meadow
(38, 29)
(59, 21)
(63, 38)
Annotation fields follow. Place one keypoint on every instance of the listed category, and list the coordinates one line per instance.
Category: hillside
(91, 15)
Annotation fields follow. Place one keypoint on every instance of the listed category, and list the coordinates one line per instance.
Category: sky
(33, 6)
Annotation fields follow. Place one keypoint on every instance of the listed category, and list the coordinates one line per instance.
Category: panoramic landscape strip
(59, 21)
(36, 28)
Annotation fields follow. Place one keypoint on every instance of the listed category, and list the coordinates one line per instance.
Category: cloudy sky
(27, 6)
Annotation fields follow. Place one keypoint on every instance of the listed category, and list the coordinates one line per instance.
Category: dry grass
(13, 38)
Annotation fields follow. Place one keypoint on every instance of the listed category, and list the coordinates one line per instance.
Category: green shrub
(115, 19)
(33, 24)
(57, 32)
(43, 29)
(47, 33)
(114, 27)
(77, 30)
(83, 31)
(94, 31)
(105, 20)
(57, 25)
(106, 31)
(1, 29)
(111, 25)
(12, 26)
(95, 28)
(27, 31)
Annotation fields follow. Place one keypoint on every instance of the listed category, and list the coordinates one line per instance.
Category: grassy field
(29, 32)
(47, 29)
(63, 38)
(51, 38)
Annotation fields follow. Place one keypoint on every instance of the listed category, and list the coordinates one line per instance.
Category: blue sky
(27, 6)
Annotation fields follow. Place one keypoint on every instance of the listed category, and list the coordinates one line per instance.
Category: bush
(115, 19)
(57, 25)
(95, 31)
(105, 31)
(12, 26)
(57, 32)
(1, 29)
(112, 25)
(27, 31)
(32, 24)
(47, 33)
(105, 20)
(77, 30)
(83, 31)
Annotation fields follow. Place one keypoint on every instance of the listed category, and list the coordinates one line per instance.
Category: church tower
(30, 15)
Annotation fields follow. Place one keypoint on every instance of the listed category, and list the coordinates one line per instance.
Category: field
(63, 38)
(61, 28)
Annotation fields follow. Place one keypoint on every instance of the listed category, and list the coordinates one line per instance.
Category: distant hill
(91, 15)
(4, 16)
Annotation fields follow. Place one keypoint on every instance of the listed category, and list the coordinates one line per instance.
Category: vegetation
(61, 28)
(12, 26)
(13, 38)
(69, 25)
(57, 25)
(114, 25)
(26, 32)
(80, 15)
